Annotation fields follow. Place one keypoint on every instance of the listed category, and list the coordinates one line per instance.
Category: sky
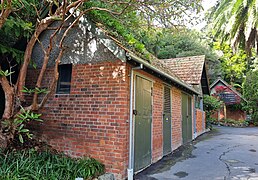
(207, 4)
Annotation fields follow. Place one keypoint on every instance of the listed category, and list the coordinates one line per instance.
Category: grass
(33, 165)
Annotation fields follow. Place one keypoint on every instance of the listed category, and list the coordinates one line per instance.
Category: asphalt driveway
(225, 153)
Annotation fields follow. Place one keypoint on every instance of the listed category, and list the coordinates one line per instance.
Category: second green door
(166, 121)
(186, 118)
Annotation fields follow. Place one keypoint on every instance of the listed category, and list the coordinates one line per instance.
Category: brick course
(236, 114)
(157, 121)
(199, 121)
(92, 119)
(176, 118)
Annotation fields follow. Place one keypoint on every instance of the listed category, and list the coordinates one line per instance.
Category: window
(64, 81)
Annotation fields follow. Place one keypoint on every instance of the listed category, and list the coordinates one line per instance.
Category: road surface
(225, 153)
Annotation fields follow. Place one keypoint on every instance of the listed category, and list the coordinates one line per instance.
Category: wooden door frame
(137, 74)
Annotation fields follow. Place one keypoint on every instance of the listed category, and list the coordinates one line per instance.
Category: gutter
(148, 65)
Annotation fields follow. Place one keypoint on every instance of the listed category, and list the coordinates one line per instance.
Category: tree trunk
(3, 141)
(43, 25)
(9, 97)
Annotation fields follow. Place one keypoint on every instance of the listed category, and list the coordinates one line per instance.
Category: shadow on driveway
(182, 153)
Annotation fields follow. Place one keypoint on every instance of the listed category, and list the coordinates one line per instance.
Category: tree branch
(5, 11)
(9, 97)
(43, 25)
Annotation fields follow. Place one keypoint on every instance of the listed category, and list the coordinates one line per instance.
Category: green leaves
(234, 65)
(44, 165)
(120, 30)
(36, 90)
(18, 124)
(15, 54)
(17, 27)
(250, 92)
(21, 120)
(236, 22)
(5, 73)
(27, 116)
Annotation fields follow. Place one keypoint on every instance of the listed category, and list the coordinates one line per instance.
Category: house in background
(230, 97)
(112, 105)
(192, 70)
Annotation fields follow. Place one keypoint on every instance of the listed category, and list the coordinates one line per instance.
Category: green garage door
(167, 121)
(143, 120)
(186, 118)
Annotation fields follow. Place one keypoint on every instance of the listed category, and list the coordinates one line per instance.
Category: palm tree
(237, 22)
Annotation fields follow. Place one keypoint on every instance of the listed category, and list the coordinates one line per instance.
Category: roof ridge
(184, 57)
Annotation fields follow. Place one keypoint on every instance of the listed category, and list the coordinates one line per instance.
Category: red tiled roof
(189, 69)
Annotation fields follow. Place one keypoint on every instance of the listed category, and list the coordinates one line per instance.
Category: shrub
(33, 165)
(234, 123)
(210, 105)
(250, 92)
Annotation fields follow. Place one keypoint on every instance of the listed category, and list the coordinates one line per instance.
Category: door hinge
(151, 91)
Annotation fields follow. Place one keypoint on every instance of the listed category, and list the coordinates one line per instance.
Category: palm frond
(237, 22)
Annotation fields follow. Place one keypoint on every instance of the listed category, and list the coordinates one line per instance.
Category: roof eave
(141, 61)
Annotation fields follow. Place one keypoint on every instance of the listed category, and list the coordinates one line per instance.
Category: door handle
(135, 112)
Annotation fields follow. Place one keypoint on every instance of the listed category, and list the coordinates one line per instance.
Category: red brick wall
(235, 114)
(176, 118)
(230, 114)
(157, 125)
(199, 122)
(92, 119)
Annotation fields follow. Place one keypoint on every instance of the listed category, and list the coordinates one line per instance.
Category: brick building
(230, 97)
(112, 105)
(193, 71)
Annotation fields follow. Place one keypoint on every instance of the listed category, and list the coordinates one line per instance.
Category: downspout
(130, 171)
(194, 116)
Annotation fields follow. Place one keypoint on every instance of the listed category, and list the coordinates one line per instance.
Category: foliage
(45, 165)
(36, 90)
(234, 123)
(18, 125)
(120, 31)
(145, 38)
(27, 21)
(239, 106)
(210, 105)
(5, 73)
(234, 65)
(168, 13)
(250, 92)
(188, 43)
(18, 28)
(236, 21)
(176, 44)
